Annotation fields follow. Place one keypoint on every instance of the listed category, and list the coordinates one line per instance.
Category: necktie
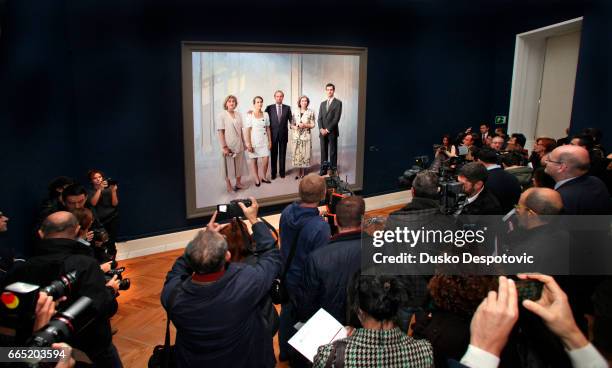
(278, 111)
(328, 103)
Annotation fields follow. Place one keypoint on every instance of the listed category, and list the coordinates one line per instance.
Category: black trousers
(112, 228)
(330, 140)
(279, 153)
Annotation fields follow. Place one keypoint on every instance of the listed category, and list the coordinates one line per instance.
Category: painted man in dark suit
(329, 117)
(280, 116)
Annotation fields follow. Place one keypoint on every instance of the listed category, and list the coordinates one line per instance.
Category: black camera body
(124, 284)
(111, 181)
(17, 310)
(232, 209)
(100, 235)
(451, 196)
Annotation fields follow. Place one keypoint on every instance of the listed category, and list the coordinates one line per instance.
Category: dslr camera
(232, 209)
(17, 310)
(124, 283)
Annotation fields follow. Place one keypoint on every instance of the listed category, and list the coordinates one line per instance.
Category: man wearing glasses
(538, 235)
(582, 194)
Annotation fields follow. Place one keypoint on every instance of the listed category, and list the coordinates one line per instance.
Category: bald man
(581, 193)
(539, 234)
(57, 254)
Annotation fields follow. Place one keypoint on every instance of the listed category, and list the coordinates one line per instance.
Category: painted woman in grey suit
(329, 117)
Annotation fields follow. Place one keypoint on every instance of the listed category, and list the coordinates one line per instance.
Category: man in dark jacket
(329, 268)
(582, 194)
(302, 227)
(57, 254)
(538, 234)
(480, 201)
(215, 306)
(504, 186)
(280, 118)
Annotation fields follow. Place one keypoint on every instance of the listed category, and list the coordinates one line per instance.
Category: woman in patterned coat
(379, 343)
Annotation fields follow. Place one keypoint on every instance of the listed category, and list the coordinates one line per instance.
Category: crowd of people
(218, 292)
(74, 255)
(220, 306)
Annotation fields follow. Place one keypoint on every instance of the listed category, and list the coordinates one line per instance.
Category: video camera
(451, 196)
(17, 310)
(124, 284)
(232, 209)
(336, 187)
(420, 163)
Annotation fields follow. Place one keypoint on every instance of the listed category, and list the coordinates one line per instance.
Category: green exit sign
(500, 119)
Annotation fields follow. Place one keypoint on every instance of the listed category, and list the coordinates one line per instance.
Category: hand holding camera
(113, 283)
(45, 309)
(250, 212)
(554, 309)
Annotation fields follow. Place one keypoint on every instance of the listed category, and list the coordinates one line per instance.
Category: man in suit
(480, 201)
(484, 133)
(280, 116)
(501, 183)
(582, 194)
(329, 117)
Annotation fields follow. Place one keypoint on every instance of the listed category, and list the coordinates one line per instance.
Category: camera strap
(171, 300)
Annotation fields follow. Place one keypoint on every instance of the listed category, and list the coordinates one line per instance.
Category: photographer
(75, 197)
(480, 201)
(303, 229)
(105, 201)
(53, 202)
(59, 253)
(215, 306)
(85, 218)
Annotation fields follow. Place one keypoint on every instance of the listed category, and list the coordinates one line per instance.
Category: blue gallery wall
(98, 84)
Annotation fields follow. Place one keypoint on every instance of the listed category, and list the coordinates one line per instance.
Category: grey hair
(425, 185)
(206, 252)
(54, 226)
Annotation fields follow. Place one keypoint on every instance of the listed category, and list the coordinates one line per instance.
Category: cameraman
(215, 306)
(104, 199)
(58, 253)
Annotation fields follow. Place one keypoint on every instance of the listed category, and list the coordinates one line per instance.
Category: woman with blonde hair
(301, 144)
(258, 140)
(229, 130)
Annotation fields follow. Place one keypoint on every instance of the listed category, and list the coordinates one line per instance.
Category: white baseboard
(163, 243)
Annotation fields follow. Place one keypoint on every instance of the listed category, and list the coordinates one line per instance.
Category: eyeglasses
(547, 159)
(519, 206)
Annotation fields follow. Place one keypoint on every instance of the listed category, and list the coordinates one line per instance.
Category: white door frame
(529, 52)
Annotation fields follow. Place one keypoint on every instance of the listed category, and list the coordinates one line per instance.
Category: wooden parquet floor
(141, 320)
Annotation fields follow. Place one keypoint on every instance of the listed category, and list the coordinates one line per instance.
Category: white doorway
(545, 63)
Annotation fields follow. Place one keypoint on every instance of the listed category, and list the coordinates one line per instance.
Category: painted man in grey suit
(329, 117)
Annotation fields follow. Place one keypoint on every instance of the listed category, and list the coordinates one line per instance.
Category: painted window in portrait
(237, 145)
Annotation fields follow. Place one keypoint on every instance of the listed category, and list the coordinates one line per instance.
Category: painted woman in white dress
(301, 144)
(229, 133)
(258, 141)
